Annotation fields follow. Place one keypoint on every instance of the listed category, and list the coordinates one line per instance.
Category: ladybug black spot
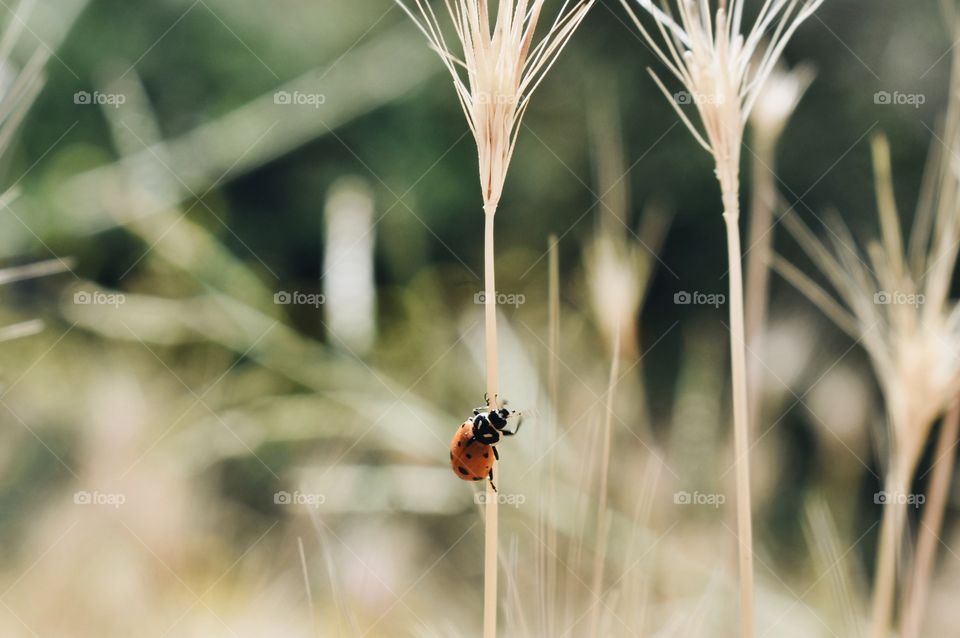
(477, 478)
(486, 455)
(469, 456)
(462, 470)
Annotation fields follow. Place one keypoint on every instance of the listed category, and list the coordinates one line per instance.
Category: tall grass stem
(741, 429)
(888, 554)
(600, 537)
(931, 523)
(491, 519)
(553, 379)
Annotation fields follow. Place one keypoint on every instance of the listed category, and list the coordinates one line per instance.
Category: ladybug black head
(484, 430)
(498, 418)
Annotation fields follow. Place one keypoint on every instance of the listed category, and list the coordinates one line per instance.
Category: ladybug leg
(490, 477)
(515, 430)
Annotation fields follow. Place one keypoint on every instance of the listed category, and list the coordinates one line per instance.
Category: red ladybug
(473, 449)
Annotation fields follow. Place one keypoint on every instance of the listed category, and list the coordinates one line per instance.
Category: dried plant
(724, 73)
(619, 261)
(782, 92)
(779, 98)
(495, 74)
(895, 300)
(619, 271)
(498, 70)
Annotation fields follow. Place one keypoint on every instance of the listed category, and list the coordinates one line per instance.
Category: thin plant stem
(315, 621)
(714, 58)
(492, 512)
(600, 549)
(553, 376)
(888, 554)
(760, 242)
(931, 523)
(741, 429)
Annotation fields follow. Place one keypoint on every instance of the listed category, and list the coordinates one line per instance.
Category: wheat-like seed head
(779, 98)
(497, 71)
(895, 298)
(911, 333)
(722, 71)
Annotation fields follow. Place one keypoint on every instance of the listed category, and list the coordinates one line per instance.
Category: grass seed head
(496, 70)
(777, 101)
(722, 71)
(895, 306)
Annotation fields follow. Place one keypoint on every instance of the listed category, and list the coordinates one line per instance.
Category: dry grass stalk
(601, 532)
(497, 71)
(314, 620)
(913, 349)
(619, 261)
(779, 98)
(553, 381)
(928, 536)
(495, 74)
(896, 302)
(830, 558)
(724, 73)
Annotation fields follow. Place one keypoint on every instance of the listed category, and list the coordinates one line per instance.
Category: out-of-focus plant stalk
(760, 246)
(888, 554)
(553, 380)
(913, 347)
(931, 523)
(775, 105)
(601, 532)
(348, 265)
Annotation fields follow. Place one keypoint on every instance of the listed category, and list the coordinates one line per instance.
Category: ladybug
(473, 448)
